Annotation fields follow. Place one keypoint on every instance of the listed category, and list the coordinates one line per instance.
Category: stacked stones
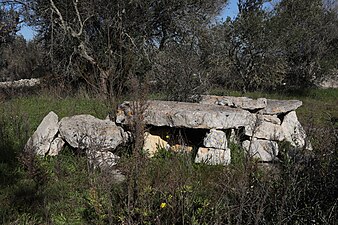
(259, 124)
(96, 138)
(215, 150)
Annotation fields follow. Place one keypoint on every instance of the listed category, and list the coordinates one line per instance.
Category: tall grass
(171, 189)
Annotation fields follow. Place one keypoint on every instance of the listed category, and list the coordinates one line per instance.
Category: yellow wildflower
(163, 205)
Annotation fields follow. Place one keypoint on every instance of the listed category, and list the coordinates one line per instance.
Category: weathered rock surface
(153, 142)
(189, 115)
(44, 135)
(261, 149)
(275, 107)
(269, 118)
(294, 132)
(213, 156)
(102, 159)
(237, 102)
(56, 146)
(215, 139)
(86, 131)
(265, 130)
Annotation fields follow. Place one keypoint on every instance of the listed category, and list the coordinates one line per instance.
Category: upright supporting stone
(153, 142)
(215, 139)
(261, 149)
(40, 141)
(294, 132)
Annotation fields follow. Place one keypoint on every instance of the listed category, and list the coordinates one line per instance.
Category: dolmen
(204, 129)
(257, 125)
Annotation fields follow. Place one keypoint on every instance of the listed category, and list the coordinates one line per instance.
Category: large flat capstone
(187, 115)
(237, 102)
(280, 106)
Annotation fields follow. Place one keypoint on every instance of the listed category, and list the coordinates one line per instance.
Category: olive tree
(105, 42)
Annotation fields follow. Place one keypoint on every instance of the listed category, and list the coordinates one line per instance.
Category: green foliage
(237, 155)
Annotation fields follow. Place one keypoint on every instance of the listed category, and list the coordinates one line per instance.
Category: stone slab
(187, 115)
(275, 107)
(237, 102)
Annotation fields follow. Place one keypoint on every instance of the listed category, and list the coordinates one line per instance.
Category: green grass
(35, 108)
(64, 190)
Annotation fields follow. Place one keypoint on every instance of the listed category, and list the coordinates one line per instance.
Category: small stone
(56, 146)
(212, 156)
(181, 148)
(215, 139)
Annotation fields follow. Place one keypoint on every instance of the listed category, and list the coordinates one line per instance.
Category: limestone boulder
(275, 107)
(237, 102)
(153, 142)
(86, 131)
(215, 139)
(188, 115)
(56, 146)
(101, 159)
(265, 130)
(263, 150)
(294, 132)
(42, 138)
(213, 156)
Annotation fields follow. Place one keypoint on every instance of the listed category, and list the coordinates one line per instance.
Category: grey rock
(237, 102)
(86, 131)
(56, 146)
(261, 149)
(41, 139)
(102, 159)
(188, 115)
(215, 139)
(212, 156)
(280, 106)
(270, 118)
(265, 130)
(294, 132)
